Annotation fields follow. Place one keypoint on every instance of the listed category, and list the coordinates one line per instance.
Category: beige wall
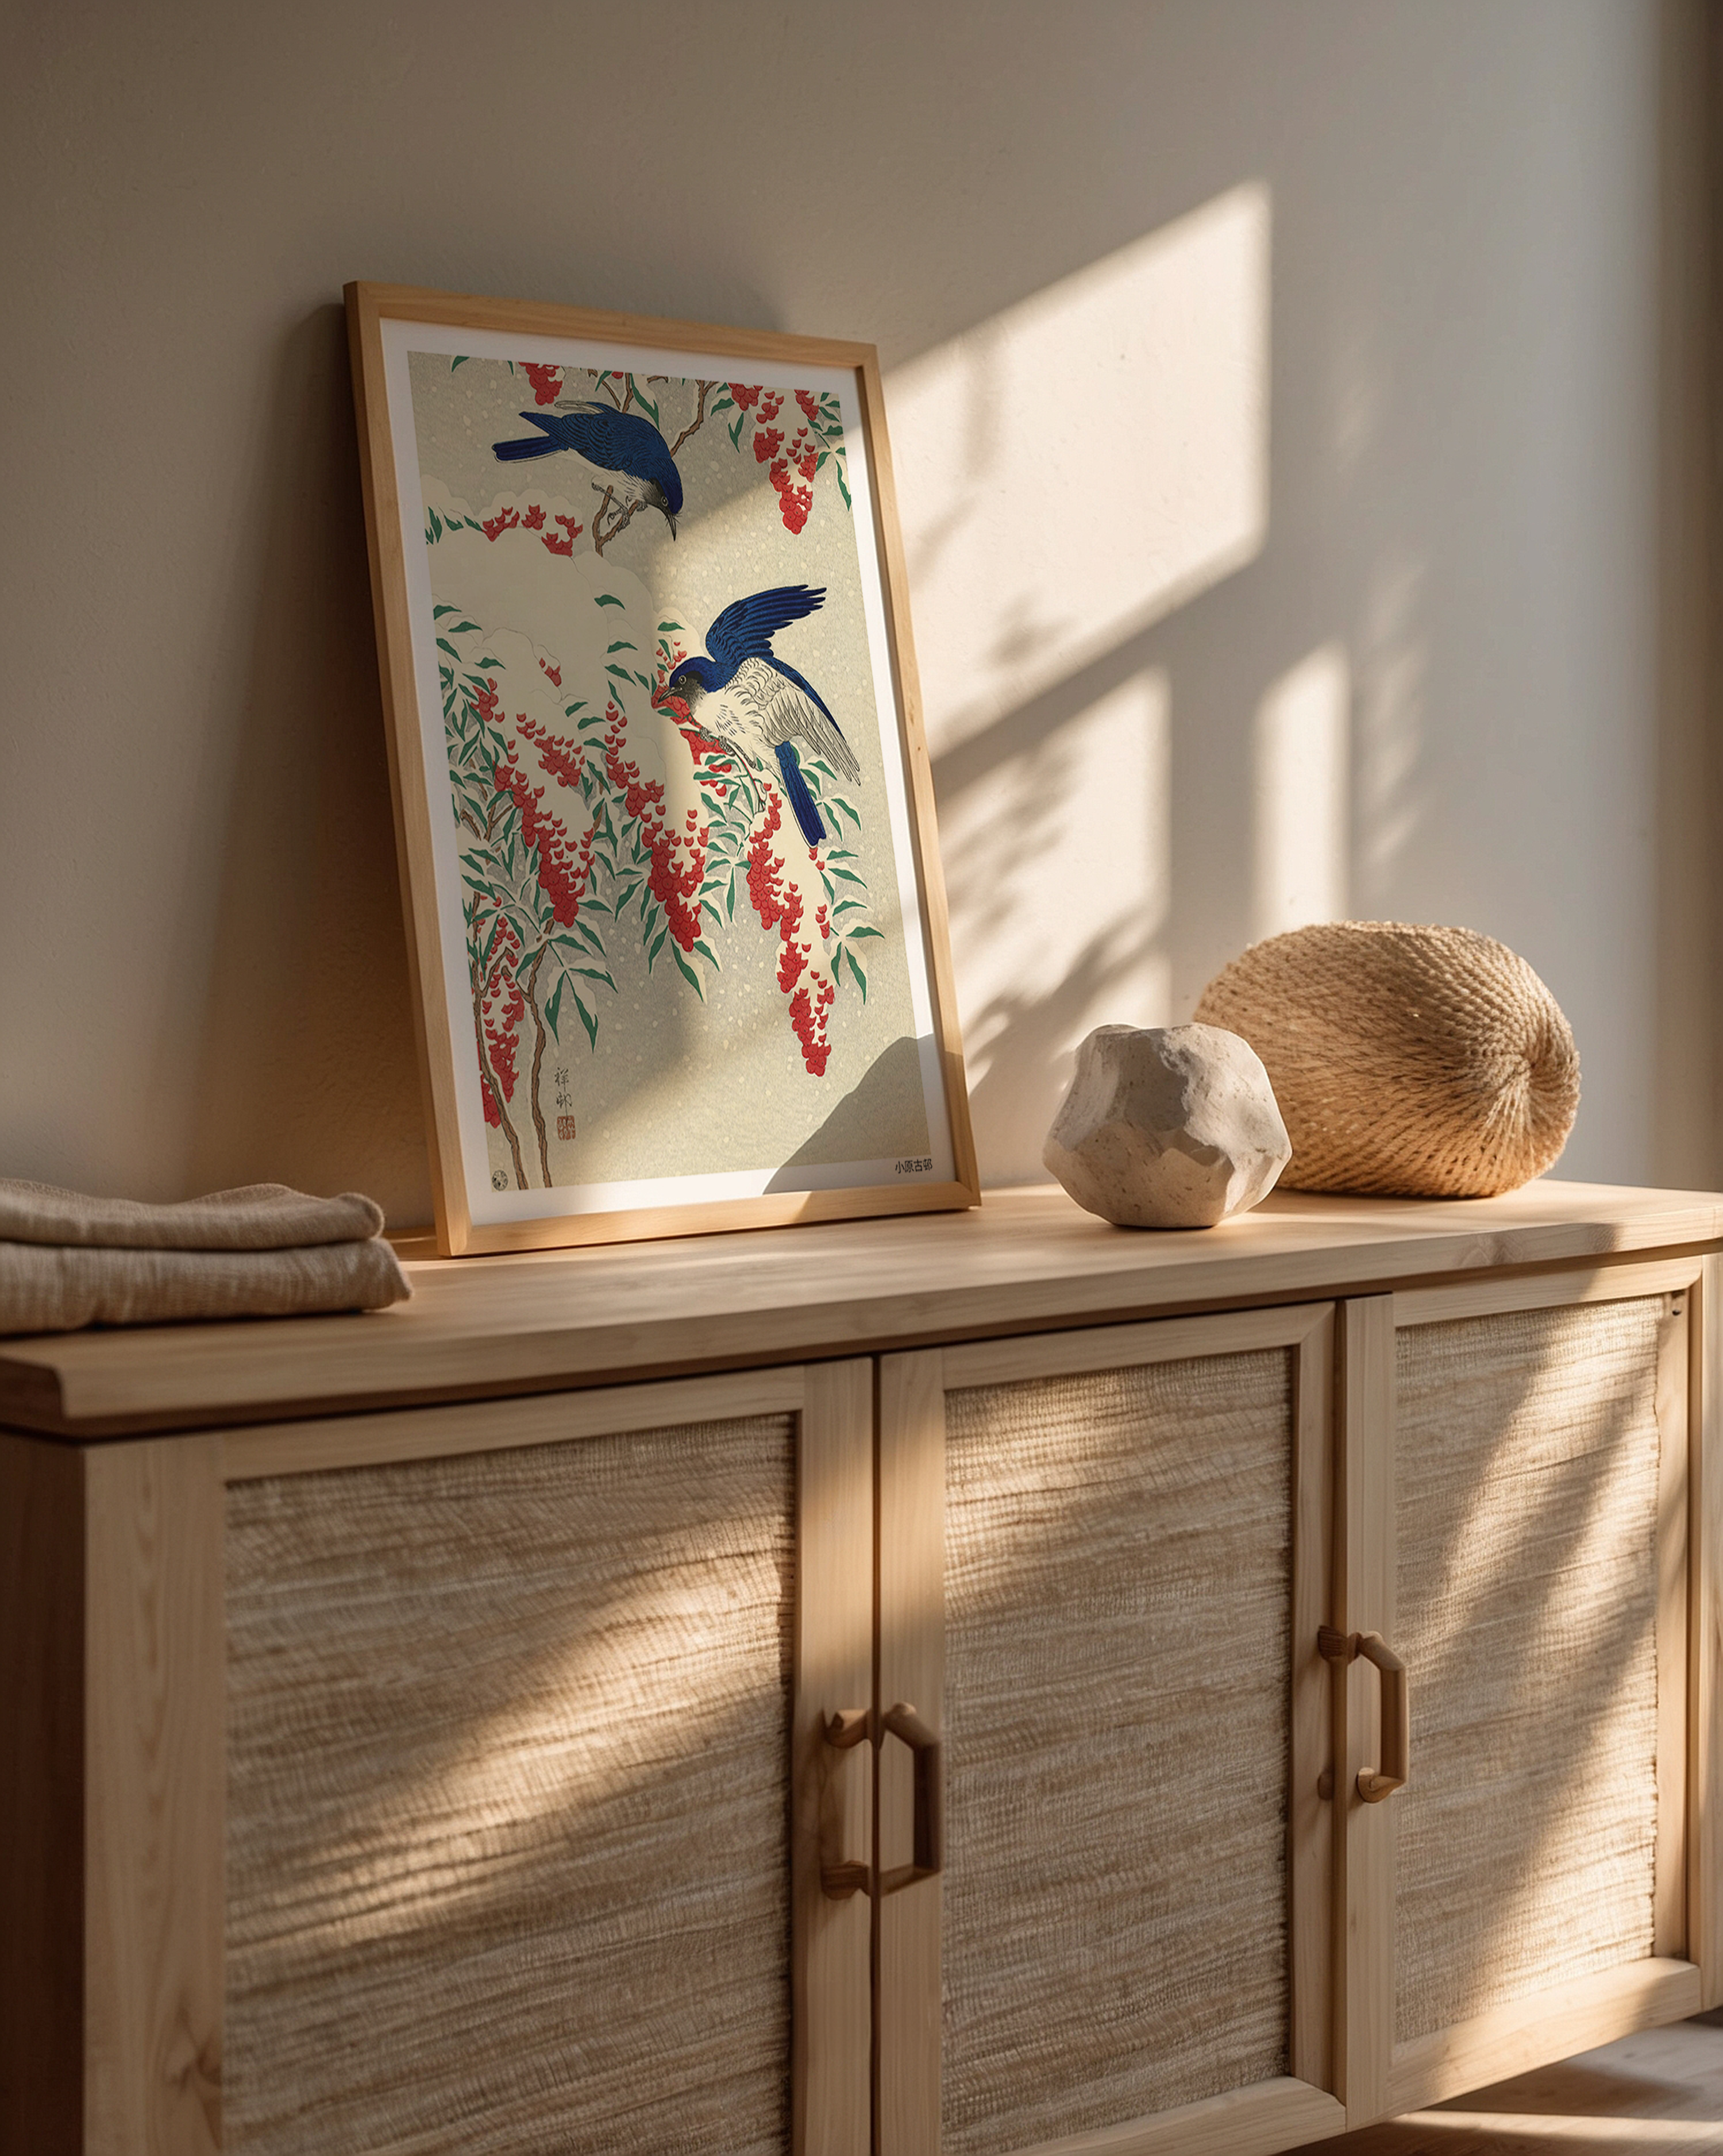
(1427, 525)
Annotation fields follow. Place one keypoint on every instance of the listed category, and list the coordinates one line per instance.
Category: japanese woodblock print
(662, 796)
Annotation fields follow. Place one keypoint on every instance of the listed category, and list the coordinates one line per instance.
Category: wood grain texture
(41, 1797)
(1705, 1637)
(1282, 2113)
(1527, 1464)
(911, 1574)
(1309, 1816)
(414, 787)
(918, 770)
(1495, 1298)
(1677, 1332)
(1365, 1601)
(154, 1799)
(832, 1793)
(1119, 1603)
(409, 788)
(1510, 2040)
(302, 1448)
(1113, 1346)
(508, 1795)
(1028, 1260)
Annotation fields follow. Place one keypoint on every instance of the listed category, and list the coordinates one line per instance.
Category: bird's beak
(670, 521)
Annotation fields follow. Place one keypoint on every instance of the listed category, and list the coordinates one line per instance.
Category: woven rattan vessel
(1407, 1061)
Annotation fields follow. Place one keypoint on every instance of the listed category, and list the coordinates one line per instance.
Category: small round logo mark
(499, 1181)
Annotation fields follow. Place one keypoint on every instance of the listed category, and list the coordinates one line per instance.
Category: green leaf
(726, 402)
(838, 801)
(436, 528)
(706, 951)
(597, 973)
(848, 504)
(569, 709)
(622, 643)
(607, 599)
(586, 1019)
(657, 946)
(438, 610)
(860, 978)
(621, 673)
(730, 903)
(552, 1008)
(670, 624)
(461, 628)
(644, 683)
(687, 972)
(444, 645)
(461, 362)
(487, 661)
(735, 432)
(849, 876)
(855, 933)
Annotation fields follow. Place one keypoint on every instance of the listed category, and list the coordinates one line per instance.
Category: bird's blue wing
(533, 445)
(746, 627)
(622, 442)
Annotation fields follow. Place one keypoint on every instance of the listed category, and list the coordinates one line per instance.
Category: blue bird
(745, 697)
(615, 441)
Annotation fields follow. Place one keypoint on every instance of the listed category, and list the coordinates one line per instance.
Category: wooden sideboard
(928, 1684)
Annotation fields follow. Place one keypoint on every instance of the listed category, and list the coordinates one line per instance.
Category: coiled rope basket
(1407, 1062)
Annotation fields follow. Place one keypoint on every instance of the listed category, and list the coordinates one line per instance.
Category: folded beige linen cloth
(67, 1260)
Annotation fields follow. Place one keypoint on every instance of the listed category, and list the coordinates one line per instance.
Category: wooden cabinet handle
(903, 1723)
(841, 1877)
(1376, 1782)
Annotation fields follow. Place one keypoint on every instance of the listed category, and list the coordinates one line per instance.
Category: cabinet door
(1519, 1468)
(1104, 1564)
(523, 1710)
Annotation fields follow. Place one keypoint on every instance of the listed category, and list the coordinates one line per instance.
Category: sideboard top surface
(1025, 1258)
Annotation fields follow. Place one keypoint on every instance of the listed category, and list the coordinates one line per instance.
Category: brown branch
(489, 1076)
(698, 420)
(466, 818)
(538, 1063)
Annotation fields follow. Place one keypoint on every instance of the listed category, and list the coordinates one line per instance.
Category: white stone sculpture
(1167, 1126)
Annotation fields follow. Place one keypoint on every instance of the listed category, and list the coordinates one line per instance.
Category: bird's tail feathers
(535, 445)
(807, 813)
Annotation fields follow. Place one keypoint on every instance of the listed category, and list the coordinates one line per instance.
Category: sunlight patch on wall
(1075, 467)
(1058, 861)
(1302, 795)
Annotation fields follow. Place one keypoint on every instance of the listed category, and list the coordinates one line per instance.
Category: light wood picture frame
(662, 800)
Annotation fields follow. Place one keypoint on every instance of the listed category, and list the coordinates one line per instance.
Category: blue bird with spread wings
(615, 441)
(744, 696)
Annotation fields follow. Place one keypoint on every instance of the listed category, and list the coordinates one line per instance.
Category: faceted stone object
(1167, 1126)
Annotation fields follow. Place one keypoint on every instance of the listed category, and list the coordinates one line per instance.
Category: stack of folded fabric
(67, 1260)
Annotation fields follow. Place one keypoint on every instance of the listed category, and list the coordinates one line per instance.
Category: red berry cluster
(505, 519)
(562, 871)
(547, 381)
(504, 1006)
(562, 759)
(778, 905)
(673, 888)
(744, 395)
(571, 532)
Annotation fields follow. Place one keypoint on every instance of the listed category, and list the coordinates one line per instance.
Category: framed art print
(661, 795)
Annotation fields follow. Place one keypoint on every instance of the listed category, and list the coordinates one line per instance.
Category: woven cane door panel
(1118, 1571)
(1527, 1465)
(507, 1795)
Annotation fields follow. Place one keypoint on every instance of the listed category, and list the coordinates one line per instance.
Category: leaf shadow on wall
(307, 1072)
